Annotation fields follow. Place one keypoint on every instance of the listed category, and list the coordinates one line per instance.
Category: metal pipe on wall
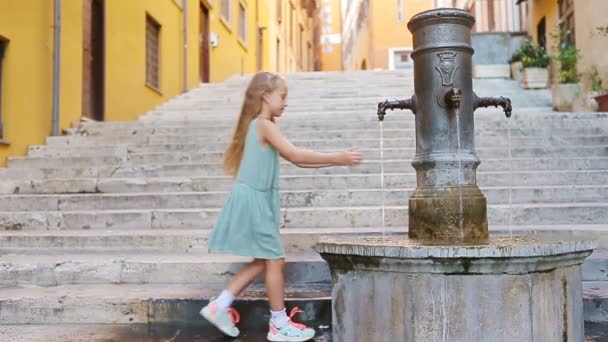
(56, 64)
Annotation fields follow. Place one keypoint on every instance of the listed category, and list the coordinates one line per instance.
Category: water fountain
(450, 280)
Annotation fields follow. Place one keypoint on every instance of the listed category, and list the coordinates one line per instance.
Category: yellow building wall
(28, 62)
(588, 16)
(548, 9)
(285, 58)
(332, 61)
(388, 31)
(233, 56)
(28, 70)
(125, 54)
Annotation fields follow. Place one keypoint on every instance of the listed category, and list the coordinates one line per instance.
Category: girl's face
(277, 101)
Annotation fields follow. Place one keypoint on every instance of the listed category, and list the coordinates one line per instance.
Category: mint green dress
(248, 225)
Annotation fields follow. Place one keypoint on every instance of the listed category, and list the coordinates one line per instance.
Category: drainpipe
(185, 8)
(56, 64)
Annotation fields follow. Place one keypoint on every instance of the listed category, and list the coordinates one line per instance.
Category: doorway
(204, 44)
(93, 59)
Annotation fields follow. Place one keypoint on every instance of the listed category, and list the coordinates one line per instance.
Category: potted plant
(597, 88)
(535, 61)
(568, 89)
(516, 64)
(602, 98)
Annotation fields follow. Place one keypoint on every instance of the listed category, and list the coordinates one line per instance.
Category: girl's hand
(351, 158)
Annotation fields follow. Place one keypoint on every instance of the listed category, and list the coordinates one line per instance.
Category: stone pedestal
(510, 289)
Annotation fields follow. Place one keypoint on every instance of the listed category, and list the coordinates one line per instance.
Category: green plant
(595, 79)
(603, 30)
(567, 56)
(533, 55)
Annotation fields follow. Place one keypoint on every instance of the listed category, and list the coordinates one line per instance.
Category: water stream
(382, 179)
(460, 176)
(510, 177)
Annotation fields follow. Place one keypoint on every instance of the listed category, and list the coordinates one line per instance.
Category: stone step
(368, 152)
(294, 240)
(368, 131)
(85, 174)
(164, 267)
(211, 270)
(299, 217)
(494, 134)
(150, 305)
(529, 118)
(595, 301)
(295, 198)
(485, 179)
(165, 314)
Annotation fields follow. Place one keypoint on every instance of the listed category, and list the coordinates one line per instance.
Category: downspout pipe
(185, 8)
(56, 64)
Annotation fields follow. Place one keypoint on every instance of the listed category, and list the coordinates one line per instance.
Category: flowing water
(460, 176)
(510, 176)
(382, 179)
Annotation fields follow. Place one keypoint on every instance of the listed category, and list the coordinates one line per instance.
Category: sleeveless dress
(248, 225)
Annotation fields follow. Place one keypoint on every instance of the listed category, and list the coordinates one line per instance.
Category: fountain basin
(520, 288)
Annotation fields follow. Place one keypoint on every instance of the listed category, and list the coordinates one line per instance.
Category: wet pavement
(144, 333)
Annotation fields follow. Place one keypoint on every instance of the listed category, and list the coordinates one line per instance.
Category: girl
(249, 222)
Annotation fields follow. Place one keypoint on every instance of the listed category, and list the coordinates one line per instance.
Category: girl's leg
(281, 327)
(218, 312)
(275, 284)
(246, 276)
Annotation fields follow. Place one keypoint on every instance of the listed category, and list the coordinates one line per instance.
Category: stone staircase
(109, 224)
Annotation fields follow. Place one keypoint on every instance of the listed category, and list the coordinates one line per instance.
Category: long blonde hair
(261, 84)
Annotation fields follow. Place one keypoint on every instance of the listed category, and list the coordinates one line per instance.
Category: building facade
(375, 34)
(108, 60)
(583, 19)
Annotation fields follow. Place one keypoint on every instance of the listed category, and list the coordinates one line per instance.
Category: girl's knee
(276, 263)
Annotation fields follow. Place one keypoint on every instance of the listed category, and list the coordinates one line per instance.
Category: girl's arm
(313, 166)
(271, 134)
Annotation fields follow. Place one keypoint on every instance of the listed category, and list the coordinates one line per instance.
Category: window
(3, 44)
(400, 10)
(309, 57)
(291, 23)
(566, 23)
(301, 46)
(152, 53)
(225, 9)
(278, 55)
(279, 11)
(242, 22)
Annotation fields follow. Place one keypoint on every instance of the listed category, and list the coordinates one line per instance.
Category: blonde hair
(261, 84)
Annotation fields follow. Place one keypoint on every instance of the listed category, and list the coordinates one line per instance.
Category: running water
(510, 176)
(460, 176)
(382, 179)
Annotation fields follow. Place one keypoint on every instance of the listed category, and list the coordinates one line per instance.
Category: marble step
(63, 171)
(291, 199)
(300, 217)
(393, 149)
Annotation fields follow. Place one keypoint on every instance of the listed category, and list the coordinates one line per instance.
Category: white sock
(279, 318)
(224, 301)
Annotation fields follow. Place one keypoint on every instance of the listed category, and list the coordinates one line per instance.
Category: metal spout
(397, 104)
(453, 98)
(504, 102)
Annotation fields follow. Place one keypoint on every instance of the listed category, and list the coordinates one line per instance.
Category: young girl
(249, 223)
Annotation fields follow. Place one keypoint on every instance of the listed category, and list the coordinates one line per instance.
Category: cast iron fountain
(450, 280)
